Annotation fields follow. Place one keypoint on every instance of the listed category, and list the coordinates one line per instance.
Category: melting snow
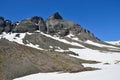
(89, 54)
(13, 37)
(63, 40)
(18, 37)
(73, 37)
(98, 44)
(109, 71)
(50, 46)
(114, 42)
(70, 35)
(34, 46)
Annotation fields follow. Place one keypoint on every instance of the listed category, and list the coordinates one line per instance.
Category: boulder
(40, 22)
(30, 25)
(8, 26)
(8, 23)
(2, 22)
(1, 29)
(42, 25)
(25, 26)
(35, 19)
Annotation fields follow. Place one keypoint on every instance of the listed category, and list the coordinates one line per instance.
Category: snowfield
(110, 68)
(99, 45)
(114, 42)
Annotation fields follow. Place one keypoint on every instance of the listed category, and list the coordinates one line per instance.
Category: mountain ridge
(53, 25)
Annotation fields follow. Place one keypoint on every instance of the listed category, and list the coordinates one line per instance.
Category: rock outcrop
(8, 26)
(56, 16)
(54, 25)
(5, 25)
(60, 27)
(25, 26)
(2, 24)
(30, 25)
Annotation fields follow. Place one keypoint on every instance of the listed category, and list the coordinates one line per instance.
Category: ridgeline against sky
(101, 17)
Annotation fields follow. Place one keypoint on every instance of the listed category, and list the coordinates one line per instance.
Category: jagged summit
(54, 25)
(56, 16)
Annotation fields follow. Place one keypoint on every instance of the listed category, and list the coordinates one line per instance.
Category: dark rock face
(5, 25)
(35, 19)
(40, 22)
(8, 26)
(30, 25)
(42, 25)
(2, 24)
(1, 29)
(25, 26)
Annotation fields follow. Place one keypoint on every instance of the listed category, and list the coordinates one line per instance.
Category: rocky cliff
(54, 25)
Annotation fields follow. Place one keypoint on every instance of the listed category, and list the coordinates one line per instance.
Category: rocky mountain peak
(54, 25)
(56, 16)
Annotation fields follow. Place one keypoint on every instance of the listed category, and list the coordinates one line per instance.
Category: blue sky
(102, 17)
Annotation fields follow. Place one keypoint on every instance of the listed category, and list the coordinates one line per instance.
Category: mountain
(36, 45)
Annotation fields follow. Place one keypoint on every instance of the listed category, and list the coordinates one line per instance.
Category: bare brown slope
(18, 60)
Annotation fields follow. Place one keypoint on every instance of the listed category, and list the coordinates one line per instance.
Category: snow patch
(29, 33)
(114, 42)
(13, 37)
(34, 46)
(73, 37)
(98, 44)
(18, 37)
(50, 46)
(63, 40)
(70, 36)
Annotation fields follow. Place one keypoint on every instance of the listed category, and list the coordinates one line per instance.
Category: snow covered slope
(114, 42)
(36, 40)
(110, 68)
(18, 38)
